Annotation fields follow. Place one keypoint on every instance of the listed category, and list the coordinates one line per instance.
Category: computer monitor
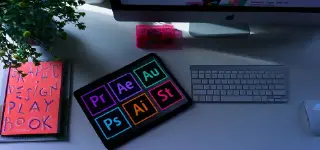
(293, 12)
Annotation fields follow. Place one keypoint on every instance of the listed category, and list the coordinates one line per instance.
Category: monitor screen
(246, 3)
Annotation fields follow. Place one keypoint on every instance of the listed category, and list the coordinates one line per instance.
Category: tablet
(132, 100)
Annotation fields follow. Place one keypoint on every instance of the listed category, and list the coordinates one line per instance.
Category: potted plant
(23, 22)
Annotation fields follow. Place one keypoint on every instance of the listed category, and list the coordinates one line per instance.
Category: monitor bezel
(117, 5)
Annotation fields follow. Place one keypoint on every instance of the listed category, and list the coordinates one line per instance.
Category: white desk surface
(107, 45)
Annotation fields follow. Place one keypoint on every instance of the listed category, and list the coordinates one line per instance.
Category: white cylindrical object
(94, 1)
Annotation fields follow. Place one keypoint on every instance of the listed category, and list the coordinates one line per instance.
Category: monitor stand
(218, 30)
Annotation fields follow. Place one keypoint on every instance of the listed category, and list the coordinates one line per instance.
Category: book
(66, 97)
(32, 104)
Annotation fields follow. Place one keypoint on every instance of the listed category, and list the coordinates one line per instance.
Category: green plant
(42, 21)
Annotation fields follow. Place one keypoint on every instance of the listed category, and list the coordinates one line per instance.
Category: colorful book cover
(32, 103)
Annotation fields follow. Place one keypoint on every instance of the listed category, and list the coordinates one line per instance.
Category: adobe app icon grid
(132, 105)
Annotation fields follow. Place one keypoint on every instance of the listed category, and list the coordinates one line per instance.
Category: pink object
(155, 36)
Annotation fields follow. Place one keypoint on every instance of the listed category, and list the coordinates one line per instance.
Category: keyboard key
(262, 92)
(214, 71)
(269, 81)
(201, 71)
(212, 98)
(232, 87)
(210, 92)
(221, 72)
(252, 87)
(245, 87)
(258, 87)
(282, 100)
(243, 81)
(236, 92)
(253, 76)
(270, 100)
(196, 81)
(263, 81)
(216, 98)
(264, 98)
(216, 92)
(256, 81)
(279, 92)
(219, 87)
(226, 76)
(277, 96)
(224, 81)
(211, 81)
(274, 82)
(256, 98)
(226, 87)
(230, 81)
(256, 92)
(217, 81)
(214, 76)
(202, 98)
(223, 92)
(250, 81)
(199, 92)
(239, 87)
(246, 76)
(201, 76)
(206, 87)
(233, 76)
(237, 81)
(240, 76)
(271, 87)
(234, 72)
(208, 71)
(249, 92)
(208, 76)
(229, 92)
(220, 76)
(197, 87)
(208, 98)
(194, 75)
(236, 98)
(194, 71)
(259, 76)
(228, 72)
(204, 81)
(265, 87)
(213, 87)
(268, 92)
(243, 92)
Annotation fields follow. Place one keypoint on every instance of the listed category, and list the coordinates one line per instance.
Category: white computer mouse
(312, 108)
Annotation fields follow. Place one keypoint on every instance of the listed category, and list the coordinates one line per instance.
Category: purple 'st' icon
(98, 100)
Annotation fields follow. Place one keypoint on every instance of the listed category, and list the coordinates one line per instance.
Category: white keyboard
(239, 83)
